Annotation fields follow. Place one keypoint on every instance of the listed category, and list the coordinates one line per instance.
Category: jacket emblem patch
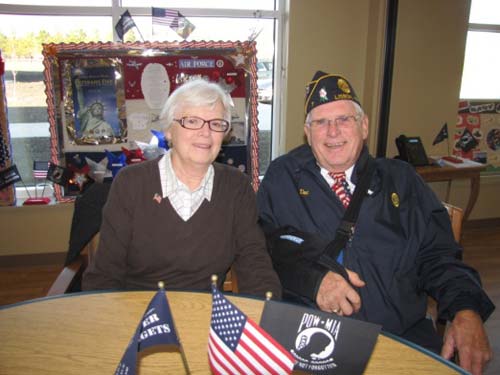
(395, 200)
(303, 192)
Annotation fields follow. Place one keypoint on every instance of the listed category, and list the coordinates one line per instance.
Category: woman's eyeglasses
(195, 123)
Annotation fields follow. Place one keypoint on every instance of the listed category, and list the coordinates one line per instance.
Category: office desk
(88, 334)
(435, 173)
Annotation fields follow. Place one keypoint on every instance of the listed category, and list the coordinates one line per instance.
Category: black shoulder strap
(346, 228)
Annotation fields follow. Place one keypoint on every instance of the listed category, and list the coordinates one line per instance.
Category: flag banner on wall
(466, 142)
(237, 345)
(320, 342)
(155, 328)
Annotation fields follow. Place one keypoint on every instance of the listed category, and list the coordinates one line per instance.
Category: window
(25, 25)
(480, 79)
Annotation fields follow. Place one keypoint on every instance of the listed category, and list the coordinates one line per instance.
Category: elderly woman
(182, 217)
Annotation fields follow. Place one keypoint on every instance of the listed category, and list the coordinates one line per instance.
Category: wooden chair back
(456, 218)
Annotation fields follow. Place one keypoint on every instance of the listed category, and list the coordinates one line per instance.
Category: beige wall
(430, 47)
(327, 35)
(347, 37)
(344, 37)
(35, 229)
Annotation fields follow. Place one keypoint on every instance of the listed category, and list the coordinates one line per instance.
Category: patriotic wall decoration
(7, 190)
(477, 133)
(104, 101)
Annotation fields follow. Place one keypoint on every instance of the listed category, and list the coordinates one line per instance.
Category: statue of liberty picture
(95, 107)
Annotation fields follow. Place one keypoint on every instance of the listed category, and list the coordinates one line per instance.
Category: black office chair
(85, 225)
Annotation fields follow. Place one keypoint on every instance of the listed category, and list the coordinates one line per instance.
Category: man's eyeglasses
(342, 122)
(194, 123)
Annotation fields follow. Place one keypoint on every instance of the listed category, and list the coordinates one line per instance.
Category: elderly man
(398, 251)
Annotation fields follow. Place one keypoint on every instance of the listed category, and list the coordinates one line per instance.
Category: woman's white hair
(195, 93)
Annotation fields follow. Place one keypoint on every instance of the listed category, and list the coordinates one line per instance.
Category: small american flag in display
(167, 17)
(40, 169)
(237, 345)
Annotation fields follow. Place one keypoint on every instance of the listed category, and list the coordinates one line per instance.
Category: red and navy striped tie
(340, 187)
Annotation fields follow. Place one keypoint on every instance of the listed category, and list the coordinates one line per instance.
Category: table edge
(110, 291)
(427, 352)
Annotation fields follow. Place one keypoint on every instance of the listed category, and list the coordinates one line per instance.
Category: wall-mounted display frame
(477, 133)
(104, 101)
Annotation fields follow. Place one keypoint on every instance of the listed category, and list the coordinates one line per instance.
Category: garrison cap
(325, 88)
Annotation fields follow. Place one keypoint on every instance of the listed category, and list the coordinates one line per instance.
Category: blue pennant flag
(162, 141)
(115, 162)
(155, 328)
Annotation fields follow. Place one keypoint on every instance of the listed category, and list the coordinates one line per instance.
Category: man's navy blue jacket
(403, 245)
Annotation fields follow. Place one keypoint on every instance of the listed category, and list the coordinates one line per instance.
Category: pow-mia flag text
(322, 343)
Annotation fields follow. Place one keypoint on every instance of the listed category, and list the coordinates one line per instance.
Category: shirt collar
(329, 179)
(170, 183)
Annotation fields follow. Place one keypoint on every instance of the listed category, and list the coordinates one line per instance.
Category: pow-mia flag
(466, 141)
(322, 343)
(58, 175)
(442, 135)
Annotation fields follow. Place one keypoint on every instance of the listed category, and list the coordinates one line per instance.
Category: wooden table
(435, 173)
(88, 334)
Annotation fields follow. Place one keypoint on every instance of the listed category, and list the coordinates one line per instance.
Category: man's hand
(336, 295)
(466, 334)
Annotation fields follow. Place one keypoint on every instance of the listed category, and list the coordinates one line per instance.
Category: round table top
(87, 333)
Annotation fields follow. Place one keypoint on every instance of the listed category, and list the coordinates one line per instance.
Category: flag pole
(26, 188)
(43, 190)
(161, 285)
(139, 31)
(269, 295)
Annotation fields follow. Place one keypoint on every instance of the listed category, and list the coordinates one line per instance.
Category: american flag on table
(167, 17)
(40, 169)
(237, 345)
